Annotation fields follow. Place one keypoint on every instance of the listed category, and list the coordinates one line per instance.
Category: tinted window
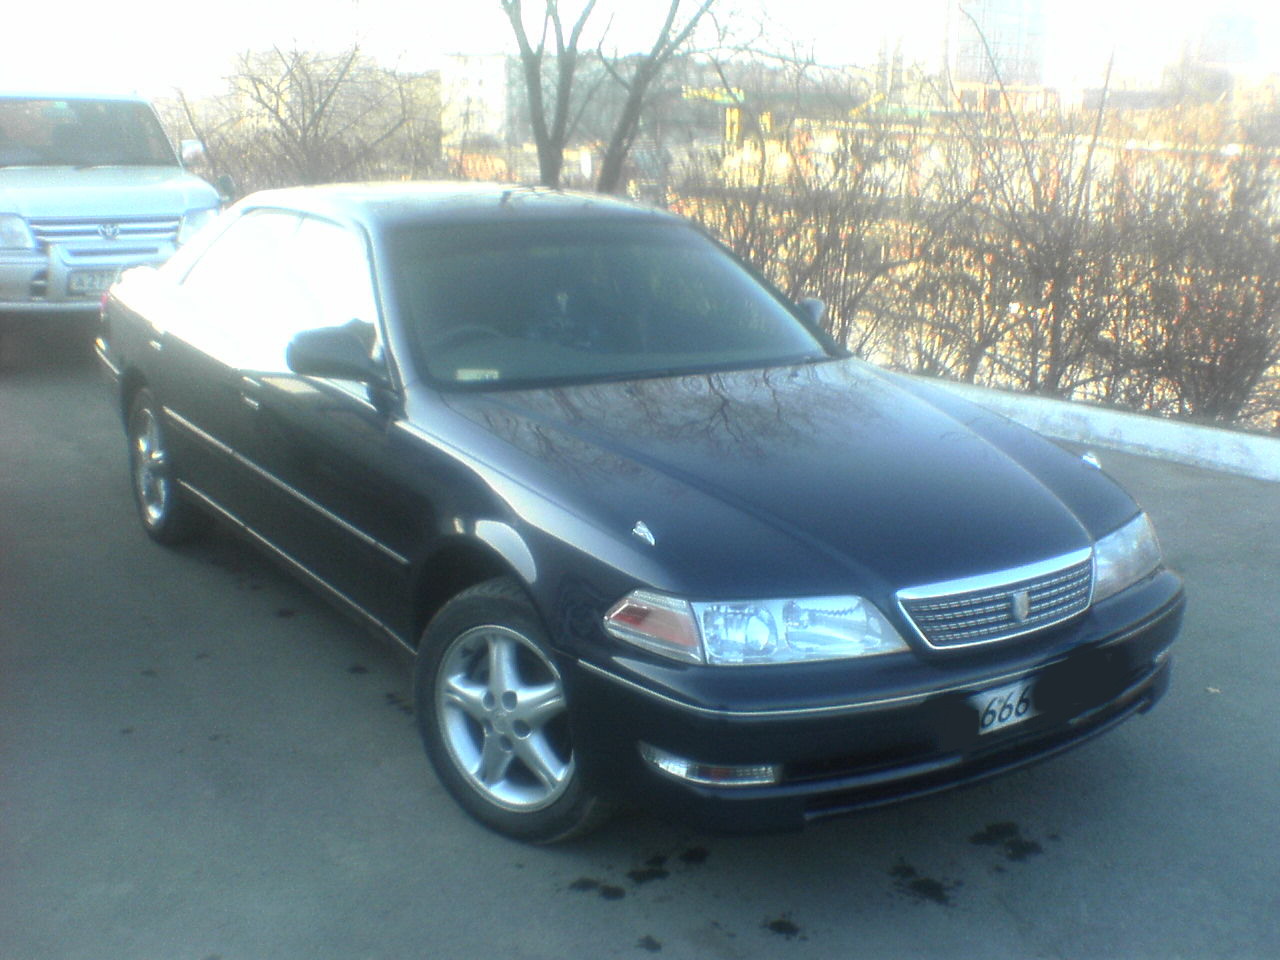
(544, 302)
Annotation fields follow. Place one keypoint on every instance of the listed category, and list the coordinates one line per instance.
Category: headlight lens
(1125, 557)
(14, 233)
(193, 222)
(753, 632)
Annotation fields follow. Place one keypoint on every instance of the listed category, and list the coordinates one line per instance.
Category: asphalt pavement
(199, 760)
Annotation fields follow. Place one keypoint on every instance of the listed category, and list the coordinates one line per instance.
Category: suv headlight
(193, 221)
(1123, 558)
(743, 632)
(14, 233)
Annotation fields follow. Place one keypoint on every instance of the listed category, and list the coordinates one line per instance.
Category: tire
(166, 516)
(492, 712)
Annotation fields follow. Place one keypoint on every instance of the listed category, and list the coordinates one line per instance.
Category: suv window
(45, 132)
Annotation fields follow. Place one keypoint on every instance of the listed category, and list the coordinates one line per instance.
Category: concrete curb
(1245, 454)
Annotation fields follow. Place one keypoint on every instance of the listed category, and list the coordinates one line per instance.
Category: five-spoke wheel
(165, 516)
(492, 713)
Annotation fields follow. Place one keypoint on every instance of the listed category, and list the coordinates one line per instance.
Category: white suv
(89, 186)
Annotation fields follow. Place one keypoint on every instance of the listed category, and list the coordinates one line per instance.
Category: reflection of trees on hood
(613, 429)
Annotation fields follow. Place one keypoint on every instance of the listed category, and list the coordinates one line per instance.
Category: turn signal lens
(655, 622)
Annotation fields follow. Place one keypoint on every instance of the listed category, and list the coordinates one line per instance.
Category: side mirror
(226, 187)
(815, 309)
(342, 353)
(191, 151)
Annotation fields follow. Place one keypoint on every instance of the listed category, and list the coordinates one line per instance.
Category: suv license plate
(86, 282)
(1004, 707)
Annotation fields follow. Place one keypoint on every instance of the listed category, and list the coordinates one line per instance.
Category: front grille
(1001, 605)
(128, 231)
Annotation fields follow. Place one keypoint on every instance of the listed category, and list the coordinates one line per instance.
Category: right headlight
(1125, 557)
(746, 632)
(14, 233)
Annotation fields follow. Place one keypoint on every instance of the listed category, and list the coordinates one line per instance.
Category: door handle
(248, 387)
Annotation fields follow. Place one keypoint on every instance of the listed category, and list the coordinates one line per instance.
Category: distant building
(995, 41)
(477, 100)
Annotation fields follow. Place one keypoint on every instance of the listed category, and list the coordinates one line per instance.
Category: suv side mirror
(815, 309)
(190, 151)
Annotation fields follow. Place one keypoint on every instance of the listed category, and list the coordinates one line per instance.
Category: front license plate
(1004, 707)
(85, 282)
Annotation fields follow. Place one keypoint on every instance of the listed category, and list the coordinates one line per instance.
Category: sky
(146, 45)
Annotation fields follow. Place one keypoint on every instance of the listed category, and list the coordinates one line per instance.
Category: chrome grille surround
(984, 609)
(127, 230)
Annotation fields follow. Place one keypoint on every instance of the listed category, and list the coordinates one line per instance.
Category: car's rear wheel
(165, 515)
(494, 720)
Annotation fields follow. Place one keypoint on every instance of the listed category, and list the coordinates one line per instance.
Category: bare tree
(551, 66)
(550, 110)
(636, 75)
(294, 117)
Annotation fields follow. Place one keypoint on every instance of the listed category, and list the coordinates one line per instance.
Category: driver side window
(271, 275)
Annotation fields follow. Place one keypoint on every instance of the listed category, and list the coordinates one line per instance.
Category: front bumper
(889, 742)
(42, 281)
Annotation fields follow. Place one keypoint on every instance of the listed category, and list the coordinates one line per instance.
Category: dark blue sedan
(652, 537)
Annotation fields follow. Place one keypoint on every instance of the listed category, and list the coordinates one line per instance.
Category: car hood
(102, 192)
(821, 478)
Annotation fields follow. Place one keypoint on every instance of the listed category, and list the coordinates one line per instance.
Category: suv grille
(108, 232)
(1001, 605)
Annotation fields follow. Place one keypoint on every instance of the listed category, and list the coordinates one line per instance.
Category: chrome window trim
(994, 580)
(294, 564)
(281, 485)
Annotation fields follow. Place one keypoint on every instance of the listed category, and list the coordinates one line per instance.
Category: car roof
(382, 205)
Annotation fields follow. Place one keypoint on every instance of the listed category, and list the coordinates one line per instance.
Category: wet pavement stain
(784, 927)
(1009, 837)
(654, 869)
(649, 943)
(399, 703)
(285, 613)
(607, 891)
(910, 883)
(357, 668)
(149, 673)
(695, 856)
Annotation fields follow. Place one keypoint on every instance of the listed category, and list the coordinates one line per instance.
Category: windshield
(35, 132)
(536, 303)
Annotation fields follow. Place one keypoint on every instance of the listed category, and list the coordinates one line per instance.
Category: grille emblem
(108, 231)
(1021, 604)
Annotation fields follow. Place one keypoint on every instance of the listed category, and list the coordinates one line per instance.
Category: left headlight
(746, 632)
(1125, 557)
(193, 221)
(14, 233)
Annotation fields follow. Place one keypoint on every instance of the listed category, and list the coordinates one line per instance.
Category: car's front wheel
(165, 515)
(492, 712)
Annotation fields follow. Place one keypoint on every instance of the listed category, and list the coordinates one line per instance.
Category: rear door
(225, 305)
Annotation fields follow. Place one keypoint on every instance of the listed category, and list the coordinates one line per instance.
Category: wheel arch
(457, 565)
(131, 381)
